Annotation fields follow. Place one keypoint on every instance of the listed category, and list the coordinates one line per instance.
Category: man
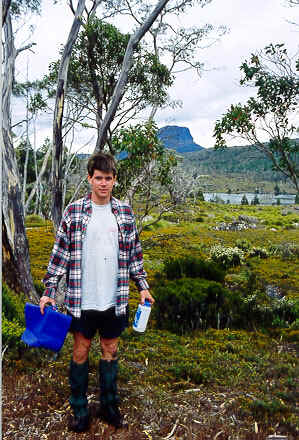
(98, 249)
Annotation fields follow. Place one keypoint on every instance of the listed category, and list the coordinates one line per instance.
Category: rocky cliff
(178, 139)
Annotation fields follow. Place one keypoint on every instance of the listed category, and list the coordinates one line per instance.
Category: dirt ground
(35, 407)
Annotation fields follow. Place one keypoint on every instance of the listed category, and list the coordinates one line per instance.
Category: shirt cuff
(142, 285)
(50, 292)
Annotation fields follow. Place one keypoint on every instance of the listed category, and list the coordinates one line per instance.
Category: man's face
(101, 186)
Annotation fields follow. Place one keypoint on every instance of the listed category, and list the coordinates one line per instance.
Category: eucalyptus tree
(16, 262)
(271, 113)
(94, 68)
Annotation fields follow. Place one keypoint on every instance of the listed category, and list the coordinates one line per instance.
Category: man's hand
(43, 301)
(144, 294)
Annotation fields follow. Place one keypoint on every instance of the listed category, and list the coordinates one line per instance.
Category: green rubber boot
(78, 377)
(109, 399)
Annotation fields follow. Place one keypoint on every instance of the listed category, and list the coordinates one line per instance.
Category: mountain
(239, 160)
(178, 139)
(238, 168)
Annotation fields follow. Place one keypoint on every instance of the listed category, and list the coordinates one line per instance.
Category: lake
(264, 199)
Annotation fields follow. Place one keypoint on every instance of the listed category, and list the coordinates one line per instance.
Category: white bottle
(141, 316)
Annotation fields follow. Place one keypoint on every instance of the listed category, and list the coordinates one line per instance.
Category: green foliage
(259, 310)
(277, 98)
(188, 304)
(11, 333)
(224, 167)
(13, 320)
(34, 220)
(244, 200)
(192, 267)
(23, 7)
(243, 244)
(200, 196)
(285, 250)
(12, 305)
(255, 200)
(188, 294)
(258, 252)
(142, 147)
(96, 64)
(227, 256)
(277, 190)
(144, 170)
(262, 409)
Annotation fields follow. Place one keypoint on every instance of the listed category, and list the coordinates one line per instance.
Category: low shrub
(13, 305)
(11, 333)
(192, 267)
(13, 320)
(227, 256)
(262, 409)
(187, 304)
(258, 252)
(243, 244)
(291, 335)
(259, 310)
(285, 250)
(34, 220)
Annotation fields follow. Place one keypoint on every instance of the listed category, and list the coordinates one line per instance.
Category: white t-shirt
(100, 260)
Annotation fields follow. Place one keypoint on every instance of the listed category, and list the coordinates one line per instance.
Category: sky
(252, 25)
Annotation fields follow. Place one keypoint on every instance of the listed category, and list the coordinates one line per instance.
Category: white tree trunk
(27, 149)
(16, 262)
(57, 177)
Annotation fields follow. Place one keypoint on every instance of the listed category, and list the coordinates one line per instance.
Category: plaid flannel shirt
(66, 256)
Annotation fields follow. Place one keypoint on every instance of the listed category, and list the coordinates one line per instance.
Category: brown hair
(102, 162)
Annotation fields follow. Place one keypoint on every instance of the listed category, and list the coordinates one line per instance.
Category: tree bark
(123, 78)
(5, 9)
(15, 258)
(57, 178)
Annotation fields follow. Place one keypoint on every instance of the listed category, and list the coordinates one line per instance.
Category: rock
(248, 219)
(273, 229)
(178, 139)
(234, 226)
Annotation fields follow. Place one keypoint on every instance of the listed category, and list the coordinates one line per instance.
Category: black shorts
(106, 323)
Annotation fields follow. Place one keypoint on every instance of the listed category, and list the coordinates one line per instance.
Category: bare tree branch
(127, 63)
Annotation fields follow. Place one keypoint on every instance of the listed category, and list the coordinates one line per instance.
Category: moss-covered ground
(213, 384)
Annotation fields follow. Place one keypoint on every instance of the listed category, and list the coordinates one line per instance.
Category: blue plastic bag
(48, 330)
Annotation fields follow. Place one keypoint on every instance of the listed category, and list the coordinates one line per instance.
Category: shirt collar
(88, 207)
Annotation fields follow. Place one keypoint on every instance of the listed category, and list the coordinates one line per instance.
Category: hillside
(234, 160)
(238, 168)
